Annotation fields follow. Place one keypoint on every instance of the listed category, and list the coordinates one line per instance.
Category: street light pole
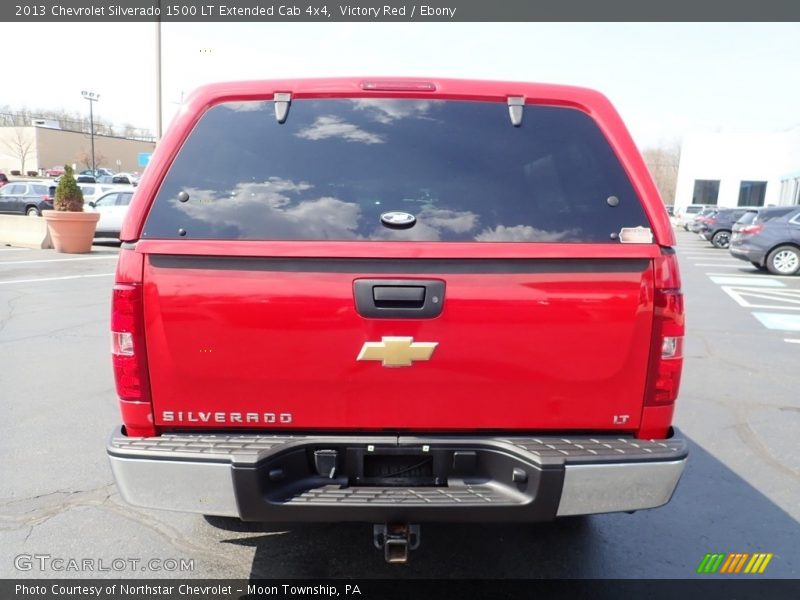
(92, 98)
(158, 81)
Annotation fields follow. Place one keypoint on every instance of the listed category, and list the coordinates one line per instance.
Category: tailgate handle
(399, 298)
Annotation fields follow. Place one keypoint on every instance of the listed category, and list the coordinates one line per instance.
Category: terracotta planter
(71, 232)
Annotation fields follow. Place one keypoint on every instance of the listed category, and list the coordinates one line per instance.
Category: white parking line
(791, 341)
(784, 299)
(792, 277)
(52, 260)
(721, 265)
(779, 321)
(749, 281)
(55, 278)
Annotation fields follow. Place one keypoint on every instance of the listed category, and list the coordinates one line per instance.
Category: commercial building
(740, 169)
(33, 149)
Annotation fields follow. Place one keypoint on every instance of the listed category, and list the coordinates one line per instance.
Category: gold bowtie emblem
(397, 351)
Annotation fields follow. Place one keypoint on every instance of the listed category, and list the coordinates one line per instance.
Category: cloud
(266, 211)
(248, 106)
(431, 224)
(385, 111)
(453, 220)
(334, 127)
(525, 233)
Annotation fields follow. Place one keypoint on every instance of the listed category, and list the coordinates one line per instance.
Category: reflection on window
(335, 166)
(331, 126)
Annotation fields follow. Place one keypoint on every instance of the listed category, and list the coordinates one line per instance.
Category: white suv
(686, 214)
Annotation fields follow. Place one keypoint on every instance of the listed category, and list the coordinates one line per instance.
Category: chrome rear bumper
(275, 478)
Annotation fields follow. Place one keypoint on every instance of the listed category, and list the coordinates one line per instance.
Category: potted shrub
(71, 229)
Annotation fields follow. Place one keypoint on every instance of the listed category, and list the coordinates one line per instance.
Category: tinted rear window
(747, 218)
(335, 166)
(773, 213)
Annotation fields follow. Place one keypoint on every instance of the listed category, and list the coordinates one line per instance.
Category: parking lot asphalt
(739, 407)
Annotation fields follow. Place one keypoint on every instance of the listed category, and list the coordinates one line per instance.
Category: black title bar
(706, 587)
(397, 10)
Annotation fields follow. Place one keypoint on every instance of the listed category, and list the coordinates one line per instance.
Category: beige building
(36, 149)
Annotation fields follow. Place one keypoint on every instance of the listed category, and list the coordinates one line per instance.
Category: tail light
(128, 350)
(127, 343)
(666, 352)
(751, 229)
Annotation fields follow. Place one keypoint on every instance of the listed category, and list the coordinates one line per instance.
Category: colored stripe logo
(734, 563)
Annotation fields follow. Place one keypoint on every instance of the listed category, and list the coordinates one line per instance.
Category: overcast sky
(667, 80)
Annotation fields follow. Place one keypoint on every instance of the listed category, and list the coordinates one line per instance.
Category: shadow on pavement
(713, 510)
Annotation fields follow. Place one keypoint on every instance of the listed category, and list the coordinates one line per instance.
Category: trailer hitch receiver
(396, 539)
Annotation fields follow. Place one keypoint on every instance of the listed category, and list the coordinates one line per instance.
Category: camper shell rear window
(335, 166)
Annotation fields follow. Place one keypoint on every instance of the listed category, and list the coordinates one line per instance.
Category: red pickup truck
(396, 301)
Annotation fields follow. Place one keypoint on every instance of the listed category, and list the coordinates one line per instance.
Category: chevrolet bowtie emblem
(397, 351)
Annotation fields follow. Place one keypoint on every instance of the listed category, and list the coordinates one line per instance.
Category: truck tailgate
(259, 342)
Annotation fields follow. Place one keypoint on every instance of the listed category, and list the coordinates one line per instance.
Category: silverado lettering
(456, 299)
(169, 416)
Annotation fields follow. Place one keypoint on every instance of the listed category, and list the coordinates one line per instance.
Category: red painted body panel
(306, 249)
(516, 351)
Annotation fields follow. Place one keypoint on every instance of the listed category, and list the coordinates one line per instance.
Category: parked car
(54, 172)
(746, 219)
(112, 206)
(772, 241)
(696, 223)
(717, 228)
(93, 191)
(98, 172)
(27, 197)
(125, 179)
(3, 179)
(686, 214)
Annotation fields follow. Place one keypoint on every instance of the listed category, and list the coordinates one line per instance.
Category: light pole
(158, 80)
(92, 98)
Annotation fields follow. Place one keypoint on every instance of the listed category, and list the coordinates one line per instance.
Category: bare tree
(128, 130)
(663, 164)
(20, 146)
(85, 158)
